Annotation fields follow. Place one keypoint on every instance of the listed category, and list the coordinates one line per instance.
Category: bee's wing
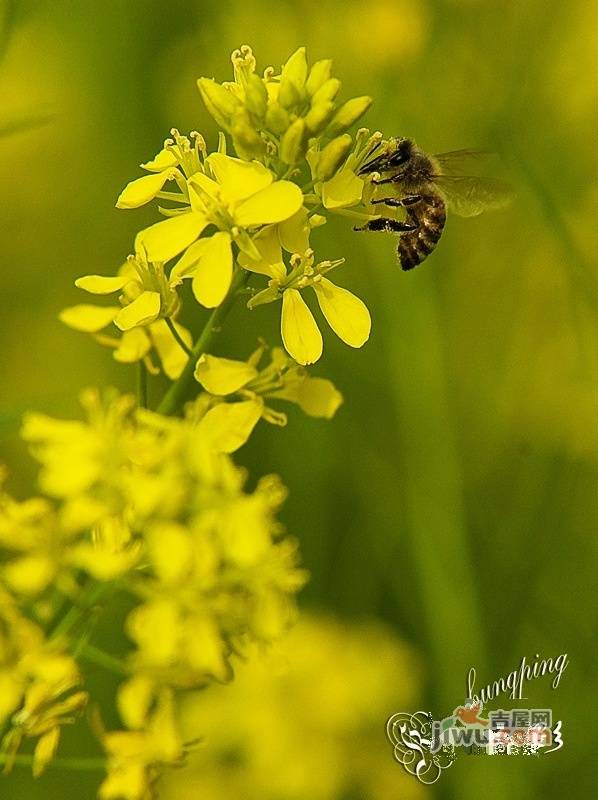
(463, 162)
(468, 196)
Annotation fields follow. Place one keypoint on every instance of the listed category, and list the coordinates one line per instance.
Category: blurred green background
(454, 496)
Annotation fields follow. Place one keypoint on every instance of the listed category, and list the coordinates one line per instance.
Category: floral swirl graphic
(411, 737)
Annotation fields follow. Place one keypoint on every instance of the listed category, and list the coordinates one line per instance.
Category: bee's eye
(397, 159)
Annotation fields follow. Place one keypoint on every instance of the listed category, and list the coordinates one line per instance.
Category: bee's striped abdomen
(429, 214)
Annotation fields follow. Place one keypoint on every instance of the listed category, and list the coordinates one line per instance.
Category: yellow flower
(228, 425)
(337, 185)
(84, 459)
(110, 553)
(134, 757)
(37, 686)
(346, 314)
(205, 538)
(39, 545)
(148, 299)
(291, 107)
(306, 720)
(180, 158)
(237, 197)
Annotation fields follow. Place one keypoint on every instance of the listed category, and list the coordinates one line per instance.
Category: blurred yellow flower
(37, 686)
(134, 757)
(304, 720)
(37, 546)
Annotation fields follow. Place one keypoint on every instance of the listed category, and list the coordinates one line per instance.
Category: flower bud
(348, 114)
(295, 70)
(245, 244)
(332, 156)
(327, 92)
(294, 143)
(277, 119)
(289, 95)
(318, 117)
(256, 96)
(269, 295)
(248, 143)
(292, 80)
(219, 101)
(318, 75)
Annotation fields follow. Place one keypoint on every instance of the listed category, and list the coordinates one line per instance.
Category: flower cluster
(39, 683)
(304, 720)
(228, 215)
(144, 503)
(150, 505)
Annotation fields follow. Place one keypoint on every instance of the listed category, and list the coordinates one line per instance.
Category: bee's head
(388, 155)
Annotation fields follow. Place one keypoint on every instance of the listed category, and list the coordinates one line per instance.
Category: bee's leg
(398, 202)
(386, 224)
(392, 179)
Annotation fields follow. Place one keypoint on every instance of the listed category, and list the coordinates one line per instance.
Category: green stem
(91, 595)
(59, 763)
(142, 384)
(88, 652)
(176, 395)
(177, 336)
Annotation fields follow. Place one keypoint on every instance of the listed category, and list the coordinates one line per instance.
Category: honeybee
(426, 185)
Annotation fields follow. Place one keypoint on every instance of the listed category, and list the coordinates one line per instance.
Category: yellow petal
(227, 426)
(294, 232)
(300, 334)
(318, 397)
(29, 575)
(275, 203)
(168, 238)
(170, 352)
(104, 563)
(170, 550)
(185, 266)
(101, 284)
(221, 376)
(141, 311)
(346, 314)
(45, 750)
(133, 346)
(270, 262)
(214, 271)
(165, 159)
(134, 699)
(200, 184)
(155, 627)
(343, 190)
(88, 318)
(239, 179)
(141, 191)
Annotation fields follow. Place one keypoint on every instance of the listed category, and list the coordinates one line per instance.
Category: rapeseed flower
(146, 316)
(152, 506)
(235, 196)
(38, 686)
(346, 314)
(306, 721)
(237, 391)
(136, 756)
(274, 117)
